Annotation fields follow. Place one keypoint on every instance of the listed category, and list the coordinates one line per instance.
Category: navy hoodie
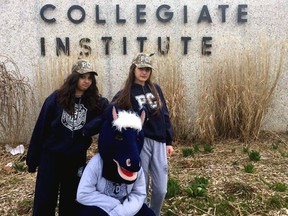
(157, 126)
(63, 134)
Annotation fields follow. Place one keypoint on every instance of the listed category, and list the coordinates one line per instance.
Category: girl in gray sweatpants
(140, 92)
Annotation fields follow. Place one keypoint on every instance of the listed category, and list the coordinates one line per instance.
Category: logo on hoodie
(76, 121)
(116, 190)
(148, 98)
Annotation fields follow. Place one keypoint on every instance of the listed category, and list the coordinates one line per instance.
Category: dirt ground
(230, 191)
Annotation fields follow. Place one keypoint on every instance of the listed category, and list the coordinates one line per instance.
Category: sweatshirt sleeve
(87, 193)
(168, 126)
(134, 201)
(40, 132)
(93, 127)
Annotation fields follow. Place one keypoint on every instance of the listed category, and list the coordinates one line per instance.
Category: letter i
(42, 41)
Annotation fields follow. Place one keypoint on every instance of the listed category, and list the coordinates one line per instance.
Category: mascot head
(120, 143)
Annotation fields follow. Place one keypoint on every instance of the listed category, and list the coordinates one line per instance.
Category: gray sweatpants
(154, 164)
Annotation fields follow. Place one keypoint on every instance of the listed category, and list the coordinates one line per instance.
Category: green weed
(187, 152)
(254, 155)
(280, 187)
(275, 202)
(19, 166)
(173, 188)
(245, 150)
(207, 148)
(249, 168)
(196, 148)
(198, 187)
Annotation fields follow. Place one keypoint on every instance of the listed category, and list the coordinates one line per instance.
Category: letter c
(43, 9)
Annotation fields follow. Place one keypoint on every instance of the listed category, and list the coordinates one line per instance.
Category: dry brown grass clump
(16, 103)
(236, 94)
(170, 78)
(238, 189)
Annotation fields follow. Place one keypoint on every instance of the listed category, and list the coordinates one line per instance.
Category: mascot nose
(133, 163)
(128, 163)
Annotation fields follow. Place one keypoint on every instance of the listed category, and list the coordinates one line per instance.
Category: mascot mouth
(125, 174)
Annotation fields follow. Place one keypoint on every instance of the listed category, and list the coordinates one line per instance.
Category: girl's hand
(169, 150)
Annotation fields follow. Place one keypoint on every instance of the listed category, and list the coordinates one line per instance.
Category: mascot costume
(113, 181)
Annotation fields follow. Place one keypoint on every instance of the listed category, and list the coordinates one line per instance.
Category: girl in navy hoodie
(138, 92)
(61, 137)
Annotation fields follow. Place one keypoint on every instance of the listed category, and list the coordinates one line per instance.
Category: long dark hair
(67, 91)
(123, 100)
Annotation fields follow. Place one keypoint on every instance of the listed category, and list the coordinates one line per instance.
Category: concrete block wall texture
(22, 29)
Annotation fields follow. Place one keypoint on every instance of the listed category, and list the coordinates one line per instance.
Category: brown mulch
(224, 167)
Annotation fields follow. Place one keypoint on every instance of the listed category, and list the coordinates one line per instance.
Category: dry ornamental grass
(16, 103)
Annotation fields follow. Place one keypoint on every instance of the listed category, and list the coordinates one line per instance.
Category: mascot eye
(118, 138)
(128, 162)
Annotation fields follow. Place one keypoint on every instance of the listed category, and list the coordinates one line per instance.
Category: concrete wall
(22, 29)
